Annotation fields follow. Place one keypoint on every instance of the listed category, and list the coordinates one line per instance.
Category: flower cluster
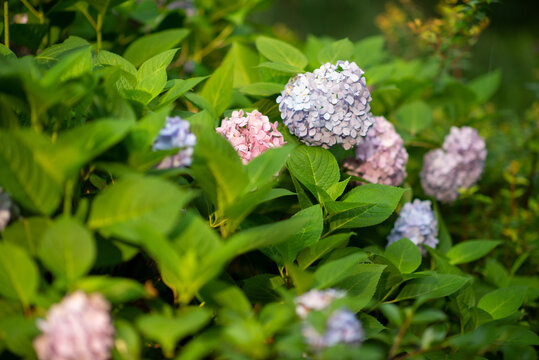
(328, 106)
(381, 158)
(416, 222)
(316, 300)
(78, 328)
(458, 164)
(342, 326)
(5, 209)
(250, 135)
(175, 134)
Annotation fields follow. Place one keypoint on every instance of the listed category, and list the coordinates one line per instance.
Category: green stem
(100, 19)
(36, 13)
(6, 24)
(68, 197)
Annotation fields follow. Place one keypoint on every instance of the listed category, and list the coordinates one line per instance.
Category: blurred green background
(510, 42)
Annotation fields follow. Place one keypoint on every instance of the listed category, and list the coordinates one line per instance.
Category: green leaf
(17, 333)
(67, 249)
(179, 88)
(503, 302)
(433, 286)
(307, 236)
(68, 67)
(362, 283)
(127, 344)
(335, 271)
(370, 51)
(18, 274)
(470, 250)
(486, 85)
(314, 166)
(280, 52)
(54, 53)
(121, 207)
(338, 50)
(218, 89)
(245, 62)
(116, 290)
(77, 146)
(27, 233)
(284, 68)
(365, 205)
(24, 178)
(263, 168)
(262, 89)
(414, 117)
(405, 255)
(143, 48)
(337, 189)
(168, 331)
(321, 248)
(152, 75)
(111, 59)
(5, 51)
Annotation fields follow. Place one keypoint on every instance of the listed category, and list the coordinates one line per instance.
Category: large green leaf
(333, 272)
(67, 249)
(116, 290)
(179, 88)
(168, 331)
(281, 52)
(361, 284)
(218, 89)
(24, 178)
(486, 85)
(433, 286)
(404, 254)
(321, 248)
(365, 205)
(338, 50)
(143, 48)
(503, 302)
(120, 208)
(27, 233)
(314, 167)
(18, 274)
(152, 75)
(245, 62)
(470, 250)
(414, 117)
(307, 236)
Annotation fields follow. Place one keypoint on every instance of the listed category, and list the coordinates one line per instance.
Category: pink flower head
(250, 135)
(381, 157)
(78, 328)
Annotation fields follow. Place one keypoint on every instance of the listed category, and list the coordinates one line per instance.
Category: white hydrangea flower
(316, 300)
(328, 106)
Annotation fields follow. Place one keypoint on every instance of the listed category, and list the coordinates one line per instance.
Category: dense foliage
(179, 182)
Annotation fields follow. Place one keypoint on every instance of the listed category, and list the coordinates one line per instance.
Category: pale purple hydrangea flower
(458, 164)
(250, 135)
(418, 223)
(316, 300)
(175, 134)
(342, 327)
(329, 106)
(78, 328)
(5, 209)
(381, 157)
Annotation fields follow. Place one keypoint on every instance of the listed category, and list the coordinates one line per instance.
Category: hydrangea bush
(171, 189)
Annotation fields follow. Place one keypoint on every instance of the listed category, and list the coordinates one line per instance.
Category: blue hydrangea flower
(328, 106)
(175, 135)
(416, 222)
(342, 327)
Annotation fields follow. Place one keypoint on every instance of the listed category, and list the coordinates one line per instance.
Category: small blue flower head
(175, 135)
(343, 328)
(416, 222)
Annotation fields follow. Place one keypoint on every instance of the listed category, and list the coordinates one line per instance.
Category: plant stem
(36, 13)
(100, 19)
(6, 24)
(402, 331)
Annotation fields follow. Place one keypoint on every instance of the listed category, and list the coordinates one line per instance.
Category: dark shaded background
(510, 42)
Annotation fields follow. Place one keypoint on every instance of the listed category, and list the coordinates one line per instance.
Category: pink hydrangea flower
(250, 135)
(381, 157)
(78, 328)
